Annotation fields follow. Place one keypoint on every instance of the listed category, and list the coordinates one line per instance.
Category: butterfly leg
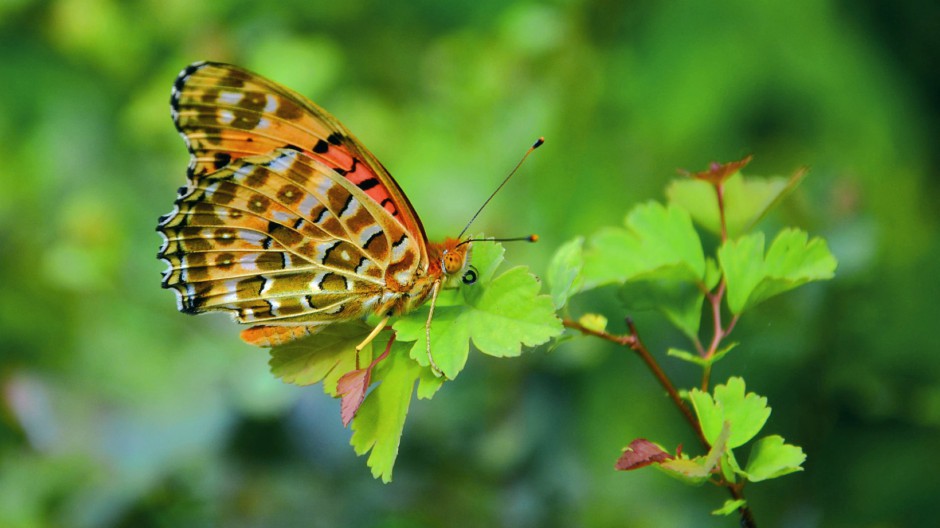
(375, 331)
(427, 330)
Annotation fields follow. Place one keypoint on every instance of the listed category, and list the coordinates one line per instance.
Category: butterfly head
(453, 258)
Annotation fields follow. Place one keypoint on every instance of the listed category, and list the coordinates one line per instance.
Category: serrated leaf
(325, 356)
(640, 453)
(352, 389)
(510, 313)
(381, 418)
(790, 262)
(564, 271)
(449, 338)
(657, 243)
(746, 200)
(710, 414)
(486, 257)
(688, 470)
(697, 470)
(747, 413)
(772, 458)
(730, 506)
(499, 316)
(428, 384)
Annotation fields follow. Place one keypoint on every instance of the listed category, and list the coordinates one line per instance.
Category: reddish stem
(632, 341)
(720, 192)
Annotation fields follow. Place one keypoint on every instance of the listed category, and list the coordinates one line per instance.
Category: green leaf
(428, 384)
(730, 506)
(685, 356)
(697, 359)
(710, 414)
(697, 470)
(712, 273)
(772, 458)
(688, 470)
(729, 466)
(719, 447)
(747, 413)
(325, 356)
(381, 418)
(657, 243)
(499, 316)
(746, 200)
(790, 262)
(564, 271)
(449, 338)
(679, 301)
(486, 257)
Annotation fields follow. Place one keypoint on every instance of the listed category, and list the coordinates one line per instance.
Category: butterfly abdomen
(270, 336)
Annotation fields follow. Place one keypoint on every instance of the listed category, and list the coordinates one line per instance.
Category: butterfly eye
(470, 276)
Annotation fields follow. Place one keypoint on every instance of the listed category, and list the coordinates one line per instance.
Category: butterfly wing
(282, 239)
(226, 113)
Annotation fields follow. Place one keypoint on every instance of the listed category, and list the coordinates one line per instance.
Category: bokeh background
(118, 411)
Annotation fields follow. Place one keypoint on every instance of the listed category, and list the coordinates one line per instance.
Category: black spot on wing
(367, 184)
(386, 202)
(221, 159)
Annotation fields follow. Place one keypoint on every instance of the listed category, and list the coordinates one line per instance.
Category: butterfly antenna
(530, 238)
(537, 144)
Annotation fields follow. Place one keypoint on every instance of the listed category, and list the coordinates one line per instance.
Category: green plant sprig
(656, 260)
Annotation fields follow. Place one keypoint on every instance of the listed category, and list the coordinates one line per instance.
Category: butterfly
(287, 221)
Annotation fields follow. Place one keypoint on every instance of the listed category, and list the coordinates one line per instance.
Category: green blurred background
(117, 410)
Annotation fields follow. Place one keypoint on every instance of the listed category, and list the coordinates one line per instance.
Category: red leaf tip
(640, 453)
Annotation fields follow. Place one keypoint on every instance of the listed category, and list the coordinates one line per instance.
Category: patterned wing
(283, 239)
(225, 113)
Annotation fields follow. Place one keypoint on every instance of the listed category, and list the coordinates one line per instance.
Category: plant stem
(632, 341)
(720, 192)
(717, 331)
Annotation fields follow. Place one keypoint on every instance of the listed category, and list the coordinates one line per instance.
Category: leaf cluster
(656, 260)
(498, 315)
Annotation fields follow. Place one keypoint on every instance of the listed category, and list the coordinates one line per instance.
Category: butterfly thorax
(447, 261)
